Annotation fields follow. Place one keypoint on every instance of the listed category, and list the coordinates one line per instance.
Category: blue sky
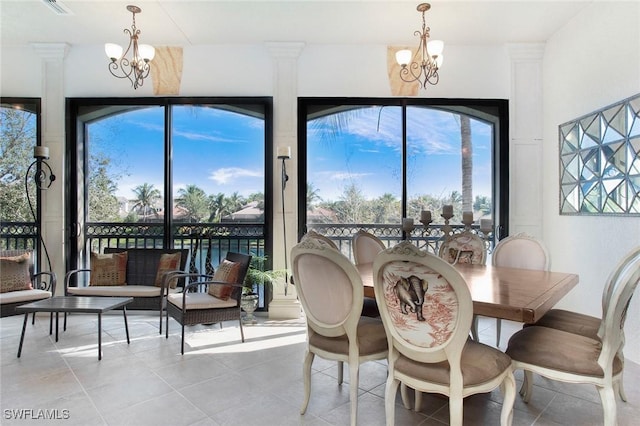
(222, 151)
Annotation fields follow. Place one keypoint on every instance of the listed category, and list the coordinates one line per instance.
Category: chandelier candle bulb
(425, 216)
(447, 210)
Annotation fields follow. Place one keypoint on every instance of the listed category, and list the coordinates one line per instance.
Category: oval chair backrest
(317, 236)
(465, 247)
(329, 288)
(612, 278)
(623, 286)
(424, 303)
(366, 247)
(521, 251)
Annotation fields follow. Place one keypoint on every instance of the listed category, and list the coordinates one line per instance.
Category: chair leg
(353, 388)
(404, 393)
(498, 331)
(390, 390)
(306, 375)
(620, 389)
(474, 328)
(166, 328)
(418, 401)
(527, 386)
(241, 330)
(340, 373)
(508, 389)
(608, 398)
(182, 343)
(456, 413)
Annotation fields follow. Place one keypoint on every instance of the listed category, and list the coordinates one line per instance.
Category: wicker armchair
(43, 283)
(192, 306)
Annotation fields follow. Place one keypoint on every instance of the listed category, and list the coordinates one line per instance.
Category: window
(19, 196)
(176, 172)
(368, 163)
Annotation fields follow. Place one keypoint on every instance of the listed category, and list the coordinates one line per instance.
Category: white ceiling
(197, 22)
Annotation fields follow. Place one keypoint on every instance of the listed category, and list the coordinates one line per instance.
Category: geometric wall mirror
(600, 161)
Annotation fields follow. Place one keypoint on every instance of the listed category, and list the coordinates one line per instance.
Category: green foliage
(103, 203)
(17, 139)
(194, 200)
(257, 275)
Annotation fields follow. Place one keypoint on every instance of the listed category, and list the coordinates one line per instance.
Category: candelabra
(407, 227)
(447, 214)
(467, 220)
(486, 229)
(43, 177)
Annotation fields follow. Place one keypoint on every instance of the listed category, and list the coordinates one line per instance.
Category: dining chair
(220, 302)
(318, 236)
(366, 247)
(587, 325)
(429, 346)
(331, 292)
(521, 251)
(568, 357)
(465, 247)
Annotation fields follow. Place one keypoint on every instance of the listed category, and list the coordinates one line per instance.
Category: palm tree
(235, 202)
(216, 206)
(467, 163)
(146, 198)
(312, 195)
(194, 201)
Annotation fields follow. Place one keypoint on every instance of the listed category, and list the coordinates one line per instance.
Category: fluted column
(526, 141)
(285, 94)
(52, 131)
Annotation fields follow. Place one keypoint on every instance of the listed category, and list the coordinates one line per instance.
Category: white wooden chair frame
(450, 351)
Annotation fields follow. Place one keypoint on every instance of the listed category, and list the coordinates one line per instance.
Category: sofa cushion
(227, 272)
(200, 301)
(24, 296)
(15, 273)
(108, 269)
(117, 290)
(168, 262)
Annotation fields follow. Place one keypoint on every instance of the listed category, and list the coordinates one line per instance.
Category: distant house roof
(249, 213)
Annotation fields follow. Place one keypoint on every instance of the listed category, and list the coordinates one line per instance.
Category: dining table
(522, 295)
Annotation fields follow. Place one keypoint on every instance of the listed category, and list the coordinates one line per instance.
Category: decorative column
(525, 151)
(285, 304)
(53, 106)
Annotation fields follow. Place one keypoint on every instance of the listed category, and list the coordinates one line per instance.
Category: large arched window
(368, 163)
(173, 172)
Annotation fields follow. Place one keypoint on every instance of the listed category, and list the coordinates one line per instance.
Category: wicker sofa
(43, 283)
(141, 279)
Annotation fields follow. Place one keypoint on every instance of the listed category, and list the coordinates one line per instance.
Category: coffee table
(76, 304)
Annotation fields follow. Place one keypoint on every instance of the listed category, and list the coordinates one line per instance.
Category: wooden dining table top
(521, 295)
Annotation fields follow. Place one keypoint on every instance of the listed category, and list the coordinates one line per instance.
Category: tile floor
(220, 381)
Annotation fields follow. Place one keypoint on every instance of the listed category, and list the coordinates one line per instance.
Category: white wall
(592, 62)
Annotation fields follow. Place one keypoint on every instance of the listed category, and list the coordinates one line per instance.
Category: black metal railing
(18, 235)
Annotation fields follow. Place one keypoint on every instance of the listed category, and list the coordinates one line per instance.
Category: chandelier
(424, 66)
(136, 67)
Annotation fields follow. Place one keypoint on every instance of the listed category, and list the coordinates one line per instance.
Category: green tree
(17, 139)
(103, 203)
(483, 204)
(386, 209)
(234, 203)
(313, 195)
(216, 207)
(194, 200)
(146, 198)
(351, 207)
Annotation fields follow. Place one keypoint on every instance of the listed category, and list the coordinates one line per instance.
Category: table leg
(126, 326)
(57, 317)
(99, 337)
(50, 323)
(24, 327)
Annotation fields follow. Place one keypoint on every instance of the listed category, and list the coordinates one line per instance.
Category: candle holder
(467, 220)
(447, 230)
(407, 227)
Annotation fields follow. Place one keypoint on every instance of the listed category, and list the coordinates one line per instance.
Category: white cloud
(225, 175)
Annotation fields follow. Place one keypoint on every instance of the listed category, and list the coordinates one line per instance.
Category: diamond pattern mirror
(600, 161)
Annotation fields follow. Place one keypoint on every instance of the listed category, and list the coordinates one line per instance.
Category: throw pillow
(227, 272)
(168, 262)
(108, 269)
(14, 273)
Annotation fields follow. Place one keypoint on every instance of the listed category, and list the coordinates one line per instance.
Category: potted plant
(256, 277)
